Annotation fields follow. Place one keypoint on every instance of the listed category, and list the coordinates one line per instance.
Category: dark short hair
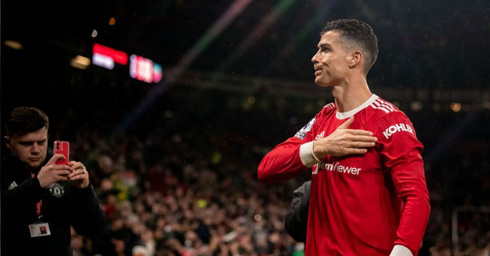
(23, 120)
(357, 33)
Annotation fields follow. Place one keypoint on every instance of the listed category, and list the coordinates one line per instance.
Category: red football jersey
(359, 204)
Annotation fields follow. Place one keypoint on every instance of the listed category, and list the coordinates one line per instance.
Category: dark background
(251, 86)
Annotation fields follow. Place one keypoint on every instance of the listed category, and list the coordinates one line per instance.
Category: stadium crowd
(181, 181)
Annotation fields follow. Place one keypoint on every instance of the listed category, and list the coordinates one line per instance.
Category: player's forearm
(409, 180)
(413, 221)
(415, 214)
(280, 164)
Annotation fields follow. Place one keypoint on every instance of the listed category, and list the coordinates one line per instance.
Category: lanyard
(39, 205)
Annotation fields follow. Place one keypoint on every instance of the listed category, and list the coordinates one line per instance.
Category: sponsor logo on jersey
(302, 133)
(336, 167)
(397, 128)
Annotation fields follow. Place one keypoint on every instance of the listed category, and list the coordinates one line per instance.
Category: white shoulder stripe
(380, 104)
(330, 105)
(389, 105)
(376, 107)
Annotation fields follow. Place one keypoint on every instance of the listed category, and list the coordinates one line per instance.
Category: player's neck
(351, 95)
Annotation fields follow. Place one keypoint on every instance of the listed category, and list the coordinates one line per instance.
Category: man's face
(330, 61)
(30, 148)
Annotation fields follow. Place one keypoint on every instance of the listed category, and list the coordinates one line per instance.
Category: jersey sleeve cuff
(400, 250)
(307, 156)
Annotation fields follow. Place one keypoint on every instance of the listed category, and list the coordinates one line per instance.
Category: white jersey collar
(345, 115)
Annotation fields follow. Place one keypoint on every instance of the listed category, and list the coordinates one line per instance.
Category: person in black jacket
(41, 199)
(296, 219)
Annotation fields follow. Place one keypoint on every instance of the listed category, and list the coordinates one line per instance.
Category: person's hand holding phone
(60, 167)
(79, 176)
(52, 172)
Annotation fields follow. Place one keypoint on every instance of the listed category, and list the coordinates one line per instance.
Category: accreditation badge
(39, 229)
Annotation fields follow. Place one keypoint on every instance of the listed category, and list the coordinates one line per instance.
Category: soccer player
(368, 190)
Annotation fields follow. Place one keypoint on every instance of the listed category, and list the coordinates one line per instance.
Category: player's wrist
(308, 158)
(314, 153)
(400, 250)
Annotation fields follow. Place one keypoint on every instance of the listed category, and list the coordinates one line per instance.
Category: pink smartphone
(62, 147)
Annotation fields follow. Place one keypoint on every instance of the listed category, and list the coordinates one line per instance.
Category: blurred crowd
(187, 189)
(182, 181)
(179, 178)
(163, 197)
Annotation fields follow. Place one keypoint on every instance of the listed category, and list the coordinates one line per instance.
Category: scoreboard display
(140, 68)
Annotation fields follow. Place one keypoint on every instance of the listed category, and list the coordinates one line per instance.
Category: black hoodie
(62, 205)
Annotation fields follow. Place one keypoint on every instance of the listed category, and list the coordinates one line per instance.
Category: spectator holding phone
(42, 199)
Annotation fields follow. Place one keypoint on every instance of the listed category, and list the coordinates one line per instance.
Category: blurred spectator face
(147, 235)
(30, 148)
(106, 184)
(191, 236)
(119, 246)
(105, 164)
(117, 224)
(77, 243)
(140, 251)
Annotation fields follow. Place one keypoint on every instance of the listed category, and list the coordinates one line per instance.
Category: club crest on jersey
(397, 128)
(56, 190)
(302, 133)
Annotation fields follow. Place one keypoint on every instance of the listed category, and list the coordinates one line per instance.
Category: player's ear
(355, 59)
